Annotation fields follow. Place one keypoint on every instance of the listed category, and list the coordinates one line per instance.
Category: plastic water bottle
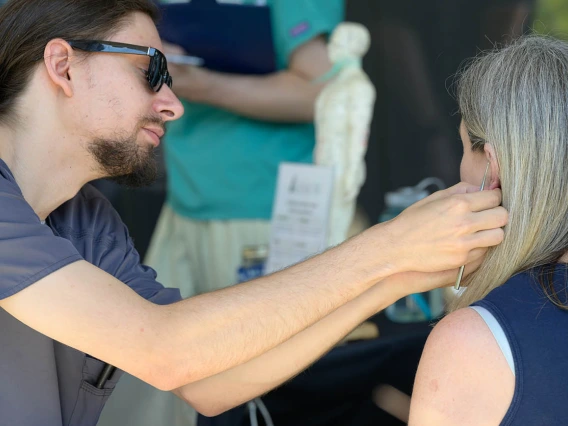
(253, 263)
(397, 201)
(416, 307)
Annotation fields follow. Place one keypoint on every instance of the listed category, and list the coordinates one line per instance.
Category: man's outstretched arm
(226, 390)
(171, 346)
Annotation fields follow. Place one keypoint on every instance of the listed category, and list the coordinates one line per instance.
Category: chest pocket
(90, 399)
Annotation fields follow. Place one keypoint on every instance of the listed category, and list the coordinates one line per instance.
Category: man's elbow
(165, 378)
(204, 400)
(211, 410)
(162, 371)
(157, 378)
(208, 407)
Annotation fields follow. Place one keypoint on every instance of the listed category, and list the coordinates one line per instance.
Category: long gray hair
(516, 99)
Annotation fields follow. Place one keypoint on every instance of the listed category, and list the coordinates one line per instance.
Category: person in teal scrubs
(222, 156)
(222, 160)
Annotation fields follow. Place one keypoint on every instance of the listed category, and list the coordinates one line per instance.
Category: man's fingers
(474, 265)
(474, 261)
(475, 257)
(461, 188)
(489, 219)
(483, 239)
(440, 232)
(487, 200)
(482, 200)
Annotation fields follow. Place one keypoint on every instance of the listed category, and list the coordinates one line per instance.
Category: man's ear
(57, 59)
(494, 171)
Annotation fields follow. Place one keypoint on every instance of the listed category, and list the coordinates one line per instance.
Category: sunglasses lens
(158, 72)
(154, 77)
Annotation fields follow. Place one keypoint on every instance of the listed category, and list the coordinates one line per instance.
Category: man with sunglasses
(157, 72)
(75, 299)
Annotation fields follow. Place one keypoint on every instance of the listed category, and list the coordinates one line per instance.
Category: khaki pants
(196, 257)
(201, 256)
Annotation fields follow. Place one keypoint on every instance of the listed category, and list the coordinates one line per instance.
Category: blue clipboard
(232, 38)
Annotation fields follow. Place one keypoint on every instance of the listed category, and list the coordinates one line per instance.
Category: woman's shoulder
(460, 363)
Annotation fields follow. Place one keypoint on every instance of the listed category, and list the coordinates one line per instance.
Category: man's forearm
(288, 302)
(226, 390)
(233, 387)
(170, 346)
(285, 303)
(280, 97)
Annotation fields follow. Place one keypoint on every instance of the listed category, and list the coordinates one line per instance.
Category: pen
(457, 286)
(185, 60)
(105, 375)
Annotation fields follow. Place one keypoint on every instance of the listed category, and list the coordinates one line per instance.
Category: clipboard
(229, 37)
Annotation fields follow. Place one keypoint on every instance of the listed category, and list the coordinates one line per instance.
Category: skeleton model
(344, 112)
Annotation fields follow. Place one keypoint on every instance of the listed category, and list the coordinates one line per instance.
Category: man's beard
(125, 162)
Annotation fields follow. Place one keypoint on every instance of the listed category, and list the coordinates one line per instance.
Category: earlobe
(57, 61)
(495, 181)
(494, 172)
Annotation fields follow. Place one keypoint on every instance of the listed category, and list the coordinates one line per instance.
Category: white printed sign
(300, 214)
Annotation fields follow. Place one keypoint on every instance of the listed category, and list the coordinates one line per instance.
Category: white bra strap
(498, 333)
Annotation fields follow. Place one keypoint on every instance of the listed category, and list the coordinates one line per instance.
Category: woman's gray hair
(516, 99)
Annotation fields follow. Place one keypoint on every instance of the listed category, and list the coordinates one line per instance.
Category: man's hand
(448, 229)
(194, 82)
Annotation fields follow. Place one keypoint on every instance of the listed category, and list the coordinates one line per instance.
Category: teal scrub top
(222, 166)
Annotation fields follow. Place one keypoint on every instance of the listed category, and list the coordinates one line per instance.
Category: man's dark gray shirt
(43, 382)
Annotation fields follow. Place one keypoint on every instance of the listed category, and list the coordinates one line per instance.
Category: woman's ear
(57, 61)
(494, 172)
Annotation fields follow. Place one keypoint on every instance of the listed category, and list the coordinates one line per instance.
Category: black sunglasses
(157, 69)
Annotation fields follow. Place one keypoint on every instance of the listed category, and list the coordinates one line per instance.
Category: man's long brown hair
(26, 26)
